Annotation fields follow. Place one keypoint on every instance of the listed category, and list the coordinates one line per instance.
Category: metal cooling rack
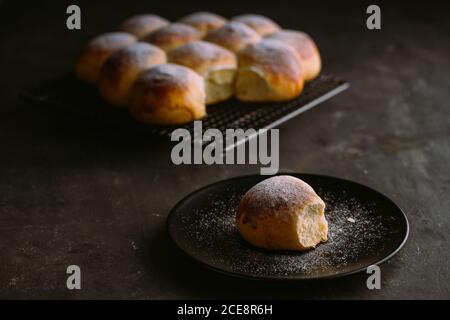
(72, 96)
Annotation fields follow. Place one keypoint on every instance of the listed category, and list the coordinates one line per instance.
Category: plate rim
(285, 278)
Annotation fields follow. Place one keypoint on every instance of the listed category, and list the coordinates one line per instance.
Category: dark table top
(76, 192)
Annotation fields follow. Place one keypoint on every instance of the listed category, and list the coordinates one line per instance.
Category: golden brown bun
(142, 24)
(282, 213)
(204, 22)
(215, 64)
(268, 71)
(173, 36)
(94, 54)
(305, 48)
(234, 36)
(260, 24)
(168, 94)
(123, 66)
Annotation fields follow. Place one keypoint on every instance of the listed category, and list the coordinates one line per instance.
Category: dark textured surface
(73, 192)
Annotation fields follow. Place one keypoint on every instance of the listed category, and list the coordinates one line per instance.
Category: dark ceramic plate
(365, 228)
(70, 95)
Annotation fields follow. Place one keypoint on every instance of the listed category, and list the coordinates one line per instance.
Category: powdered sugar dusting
(280, 191)
(212, 233)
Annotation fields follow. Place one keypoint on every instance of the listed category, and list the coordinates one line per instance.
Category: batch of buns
(167, 73)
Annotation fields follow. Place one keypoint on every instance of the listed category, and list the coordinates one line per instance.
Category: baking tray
(69, 94)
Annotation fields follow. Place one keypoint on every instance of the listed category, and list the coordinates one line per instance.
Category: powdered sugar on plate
(357, 234)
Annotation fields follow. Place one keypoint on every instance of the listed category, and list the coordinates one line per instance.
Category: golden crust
(94, 54)
(274, 195)
(173, 36)
(305, 48)
(123, 66)
(275, 66)
(272, 68)
(204, 22)
(234, 36)
(202, 57)
(215, 64)
(168, 94)
(272, 214)
(142, 24)
(261, 24)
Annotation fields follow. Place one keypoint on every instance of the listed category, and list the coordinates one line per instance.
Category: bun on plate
(282, 213)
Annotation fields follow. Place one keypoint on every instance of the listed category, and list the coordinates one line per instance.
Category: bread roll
(260, 24)
(142, 24)
(92, 56)
(305, 48)
(173, 36)
(215, 64)
(123, 66)
(282, 213)
(168, 94)
(234, 36)
(268, 71)
(204, 22)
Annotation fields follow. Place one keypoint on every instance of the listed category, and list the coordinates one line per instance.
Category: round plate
(365, 228)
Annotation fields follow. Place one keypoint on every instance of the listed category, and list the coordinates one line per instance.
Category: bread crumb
(351, 220)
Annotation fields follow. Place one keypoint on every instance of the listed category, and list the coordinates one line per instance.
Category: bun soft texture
(269, 71)
(123, 66)
(215, 64)
(168, 94)
(142, 24)
(234, 36)
(282, 213)
(204, 22)
(260, 24)
(305, 48)
(94, 54)
(173, 36)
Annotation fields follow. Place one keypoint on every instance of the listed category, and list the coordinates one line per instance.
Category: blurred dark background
(76, 192)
